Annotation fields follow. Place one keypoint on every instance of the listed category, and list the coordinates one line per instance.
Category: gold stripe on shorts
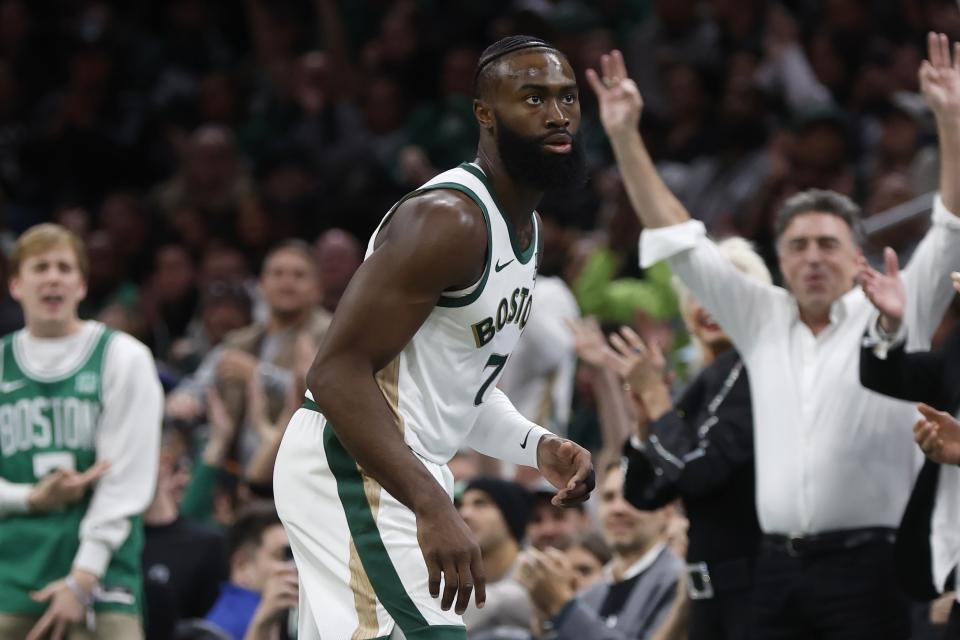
(364, 597)
(388, 379)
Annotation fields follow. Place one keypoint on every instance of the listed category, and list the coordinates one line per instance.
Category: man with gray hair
(834, 462)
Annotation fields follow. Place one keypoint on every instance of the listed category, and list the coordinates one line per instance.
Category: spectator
(588, 555)
(929, 550)
(496, 512)
(640, 583)
(262, 588)
(289, 287)
(183, 562)
(700, 450)
(84, 406)
(338, 256)
(553, 526)
(807, 429)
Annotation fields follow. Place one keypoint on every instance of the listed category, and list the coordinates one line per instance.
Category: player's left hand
(65, 609)
(568, 467)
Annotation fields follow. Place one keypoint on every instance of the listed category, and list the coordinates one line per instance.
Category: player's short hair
(44, 237)
(502, 48)
(247, 531)
(822, 201)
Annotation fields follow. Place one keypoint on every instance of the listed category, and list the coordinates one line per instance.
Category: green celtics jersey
(46, 424)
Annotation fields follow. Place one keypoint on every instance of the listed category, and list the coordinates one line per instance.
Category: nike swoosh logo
(523, 445)
(500, 267)
(10, 387)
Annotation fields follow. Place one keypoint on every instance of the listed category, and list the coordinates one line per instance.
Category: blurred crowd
(226, 163)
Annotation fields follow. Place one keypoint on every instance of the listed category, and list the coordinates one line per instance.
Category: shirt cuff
(93, 556)
(942, 215)
(881, 342)
(665, 242)
(13, 499)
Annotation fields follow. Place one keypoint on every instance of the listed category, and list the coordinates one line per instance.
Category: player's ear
(483, 114)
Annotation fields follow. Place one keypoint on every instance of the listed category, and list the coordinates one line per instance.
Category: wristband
(85, 599)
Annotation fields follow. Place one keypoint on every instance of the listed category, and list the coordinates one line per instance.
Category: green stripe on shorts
(373, 555)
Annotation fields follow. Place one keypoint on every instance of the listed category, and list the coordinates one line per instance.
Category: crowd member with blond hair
(80, 412)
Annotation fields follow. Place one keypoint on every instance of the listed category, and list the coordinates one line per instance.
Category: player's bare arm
(434, 242)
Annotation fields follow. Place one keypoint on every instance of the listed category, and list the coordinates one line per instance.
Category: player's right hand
(451, 551)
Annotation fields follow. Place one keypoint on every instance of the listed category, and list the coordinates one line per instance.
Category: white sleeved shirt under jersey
(829, 453)
(128, 435)
(442, 377)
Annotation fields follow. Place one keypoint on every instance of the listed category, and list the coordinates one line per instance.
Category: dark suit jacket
(932, 377)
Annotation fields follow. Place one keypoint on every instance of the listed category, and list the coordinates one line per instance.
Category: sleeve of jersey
(129, 438)
(502, 432)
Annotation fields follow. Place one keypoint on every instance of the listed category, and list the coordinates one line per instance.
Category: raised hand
(640, 366)
(618, 96)
(940, 77)
(955, 276)
(588, 341)
(885, 290)
(568, 467)
(938, 435)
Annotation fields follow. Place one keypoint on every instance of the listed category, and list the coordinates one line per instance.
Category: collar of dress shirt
(640, 565)
(839, 310)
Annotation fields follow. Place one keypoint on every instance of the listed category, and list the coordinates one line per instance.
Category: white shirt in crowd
(128, 436)
(829, 453)
(538, 378)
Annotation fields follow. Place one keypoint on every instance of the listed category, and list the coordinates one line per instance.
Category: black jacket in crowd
(931, 377)
(702, 452)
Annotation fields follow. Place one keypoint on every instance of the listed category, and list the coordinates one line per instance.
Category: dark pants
(952, 632)
(845, 594)
(726, 616)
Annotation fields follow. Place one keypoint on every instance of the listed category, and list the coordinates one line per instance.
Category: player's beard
(527, 162)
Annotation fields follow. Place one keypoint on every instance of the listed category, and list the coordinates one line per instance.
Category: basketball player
(78, 403)
(407, 374)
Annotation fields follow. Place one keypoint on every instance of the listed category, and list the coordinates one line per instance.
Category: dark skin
(434, 242)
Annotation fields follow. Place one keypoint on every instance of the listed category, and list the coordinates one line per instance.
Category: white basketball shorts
(361, 569)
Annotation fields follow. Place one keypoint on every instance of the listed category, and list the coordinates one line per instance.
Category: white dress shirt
(829, 453)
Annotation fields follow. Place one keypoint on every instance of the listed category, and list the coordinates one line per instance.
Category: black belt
(705, 579)
(827, 541)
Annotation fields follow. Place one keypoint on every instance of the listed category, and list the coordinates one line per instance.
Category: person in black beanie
(497, 512)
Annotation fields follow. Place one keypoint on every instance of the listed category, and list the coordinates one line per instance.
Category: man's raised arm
(670, 233)
(927, 276)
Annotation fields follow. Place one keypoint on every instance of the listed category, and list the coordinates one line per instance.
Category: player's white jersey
(440, 379)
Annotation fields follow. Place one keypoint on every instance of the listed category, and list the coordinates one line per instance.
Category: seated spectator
(553, 526)
(183, 562)
(289, 285)
(638, 589)
(588, 555)
(263, 586)
(496, 511)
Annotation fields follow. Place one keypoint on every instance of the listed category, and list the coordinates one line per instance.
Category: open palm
(940, 76)
(885, 290)
(618, 96)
